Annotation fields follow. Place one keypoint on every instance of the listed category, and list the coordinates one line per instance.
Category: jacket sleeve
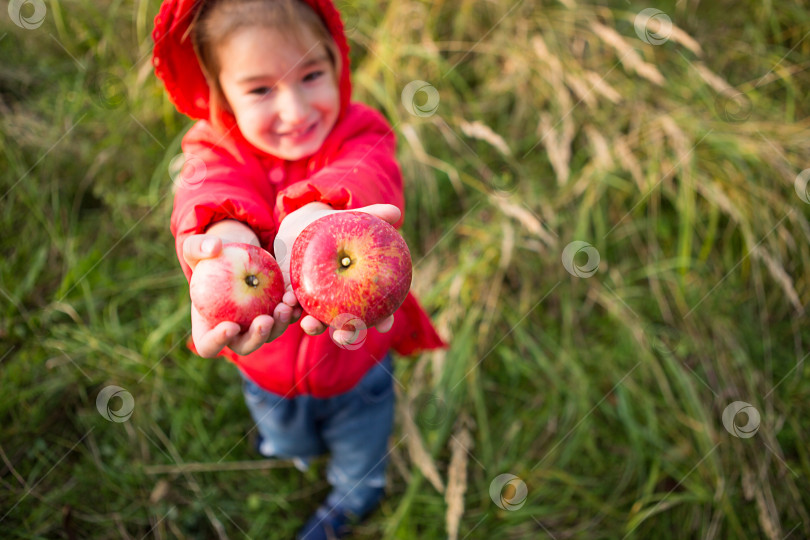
(218, 182)
(361, 168)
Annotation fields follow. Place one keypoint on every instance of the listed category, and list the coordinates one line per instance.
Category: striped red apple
(239, 284)
(348, 266)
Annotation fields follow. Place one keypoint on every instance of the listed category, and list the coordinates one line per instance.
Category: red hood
(177, 66)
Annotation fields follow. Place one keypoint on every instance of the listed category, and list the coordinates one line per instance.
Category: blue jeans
(353, 427)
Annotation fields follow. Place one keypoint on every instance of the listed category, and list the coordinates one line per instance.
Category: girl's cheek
(325, 89)
(260, 115)
(327, 97)
(247, 122)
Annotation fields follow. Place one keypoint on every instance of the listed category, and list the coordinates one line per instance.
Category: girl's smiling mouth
(298, 134)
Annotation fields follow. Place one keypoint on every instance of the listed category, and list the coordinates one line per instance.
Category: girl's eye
(312, 76)
(261, 90)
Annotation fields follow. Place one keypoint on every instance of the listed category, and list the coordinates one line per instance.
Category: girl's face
(285, 98)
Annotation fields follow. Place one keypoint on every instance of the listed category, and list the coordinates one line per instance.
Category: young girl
(281, 146)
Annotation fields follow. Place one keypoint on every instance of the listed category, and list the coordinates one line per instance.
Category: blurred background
(607, 207)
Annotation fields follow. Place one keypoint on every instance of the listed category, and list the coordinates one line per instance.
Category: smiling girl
(282, 145)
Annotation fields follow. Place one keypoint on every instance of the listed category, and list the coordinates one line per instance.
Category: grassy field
(559, 133)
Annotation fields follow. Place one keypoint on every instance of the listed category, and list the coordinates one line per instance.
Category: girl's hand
(314, 327)
(289, 230)
(210, 340)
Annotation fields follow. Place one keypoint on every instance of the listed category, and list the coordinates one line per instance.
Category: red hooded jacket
(354, 167)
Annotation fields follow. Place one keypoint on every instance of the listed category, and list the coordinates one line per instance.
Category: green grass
(604, 395)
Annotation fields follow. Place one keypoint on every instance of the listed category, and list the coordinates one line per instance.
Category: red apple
(348, 266)
(239, 284)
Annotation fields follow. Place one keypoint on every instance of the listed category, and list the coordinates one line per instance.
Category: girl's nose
(293, 107)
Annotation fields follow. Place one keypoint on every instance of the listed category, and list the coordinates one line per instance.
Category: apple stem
(345, 261)
(252, 281)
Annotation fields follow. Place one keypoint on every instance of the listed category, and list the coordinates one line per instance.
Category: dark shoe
(328, 523)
